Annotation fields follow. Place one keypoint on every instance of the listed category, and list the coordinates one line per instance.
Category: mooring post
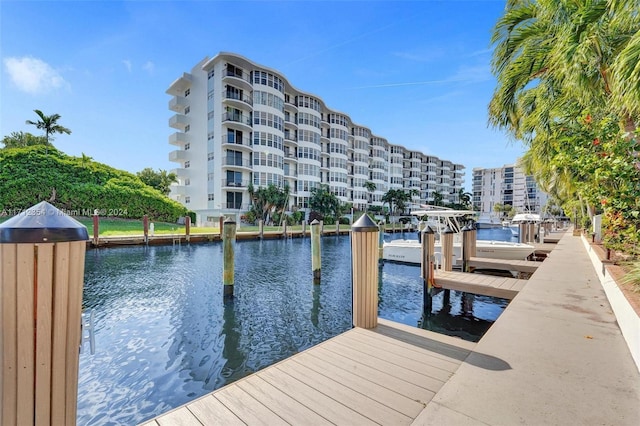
(522, 232)
(447, 249)
(145, 228)
(261, 228)
(42, 252)
(228, 258)
(96, 228)
(338, 227)
(187, 228)
(304, 228)
(466, 247)
(364, 262)
(473, 239)
(427, 244)
(380, 239)
(322, 227)
(221, 225)
(316, 261)
(531, 233)
(284, 229)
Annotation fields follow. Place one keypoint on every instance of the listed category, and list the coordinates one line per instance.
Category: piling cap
(42, 223)
(466, 228)
(315, 222)
(229, 220)
(364, 224)
(448, 230)
(428, 230)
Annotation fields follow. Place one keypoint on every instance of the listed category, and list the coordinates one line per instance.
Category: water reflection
(164, 335)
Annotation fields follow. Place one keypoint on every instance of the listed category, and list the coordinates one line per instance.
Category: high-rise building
(506, 185)
(238, 122)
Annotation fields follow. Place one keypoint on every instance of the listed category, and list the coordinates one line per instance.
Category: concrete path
(568, 363)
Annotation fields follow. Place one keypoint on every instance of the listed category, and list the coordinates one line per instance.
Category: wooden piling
(467, 242)
(96, 229)
(145, 228)
(187, 228)
(316, 263)
(42, 255)
(228, 257)
(522, 232)
(364, 260)
(261, 228)
(380, 239)
(304, 228)
(284, 229)
(427, 243)
(447, 249)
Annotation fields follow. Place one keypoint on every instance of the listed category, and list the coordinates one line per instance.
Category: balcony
(238, 76)
(180, 172)
(234, 98)
(179, 121)
(237, 142)
(237, 118)
(178, 138)
(231, 161)
(178, 155)
(236, 206)
(178, 190)
(229, 183)
(178, 104)
(290, 106)
(181, 84)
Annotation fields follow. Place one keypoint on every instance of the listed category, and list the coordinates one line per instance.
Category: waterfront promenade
(555, 356)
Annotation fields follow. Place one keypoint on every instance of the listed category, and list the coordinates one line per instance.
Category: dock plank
(359, 402)
(502, 287)
(377, 392)
(209, 410)
(332, 410)
(504, 265)
(386, 375)
(281, 403)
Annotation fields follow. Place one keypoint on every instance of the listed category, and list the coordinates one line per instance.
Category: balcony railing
(236, 140)
(233, 161)
(235, 183)
(242, 75)
(235, 117)
(238, 97)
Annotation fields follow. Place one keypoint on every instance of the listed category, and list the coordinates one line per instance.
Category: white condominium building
(237, 122)
(506, 185)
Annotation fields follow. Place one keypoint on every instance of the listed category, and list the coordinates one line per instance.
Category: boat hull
(409, 251)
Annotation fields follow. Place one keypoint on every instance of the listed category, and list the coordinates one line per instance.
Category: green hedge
(30, 175)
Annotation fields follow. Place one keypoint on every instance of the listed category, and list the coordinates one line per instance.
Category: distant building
(238, 122)
(506, 185)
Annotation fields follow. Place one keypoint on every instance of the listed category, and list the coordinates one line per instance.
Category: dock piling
(228, 268)
(261, 228)
(187, 228)
(145, 228)
(42, 253)
(427, 244)
(96, 228)
(315, 251)
(447, 249)
(364, 260)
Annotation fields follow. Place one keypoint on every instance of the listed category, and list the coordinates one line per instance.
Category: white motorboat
(409, 251)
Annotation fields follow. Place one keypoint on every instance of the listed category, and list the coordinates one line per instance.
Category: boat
(409, 251)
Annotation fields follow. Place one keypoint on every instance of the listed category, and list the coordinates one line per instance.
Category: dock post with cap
(42, 253)
(364, 264)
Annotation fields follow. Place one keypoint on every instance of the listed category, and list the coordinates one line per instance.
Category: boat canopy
(526, 217)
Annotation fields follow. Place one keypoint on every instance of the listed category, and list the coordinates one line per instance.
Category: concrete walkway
(568, 362)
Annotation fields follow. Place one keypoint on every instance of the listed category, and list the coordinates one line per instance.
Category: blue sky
(414, 72)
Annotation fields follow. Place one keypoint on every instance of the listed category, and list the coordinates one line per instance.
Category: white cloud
(33, 75)
(149, 67)
(127, 64)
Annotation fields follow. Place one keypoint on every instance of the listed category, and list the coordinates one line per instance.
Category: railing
(233, 161)
(238, 118)
(244, 98)
(243, 75)
(236, 206)
(235, 183)
(237, 141)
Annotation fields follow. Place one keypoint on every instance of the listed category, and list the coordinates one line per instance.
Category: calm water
(164, 336)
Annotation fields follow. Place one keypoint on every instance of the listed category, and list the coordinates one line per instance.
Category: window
(187, 92)
(210, 156)
(210, 197)
(210, 75)
(210, 136)
(187, 110)
(210, 177)
(187, 128)
(187, 164)
(187, 182)
(187, 200)
(187, 146)
(234, 200)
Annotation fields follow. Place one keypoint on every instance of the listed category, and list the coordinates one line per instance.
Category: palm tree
(371, 188)
(464, 198)
(85, 159)
(48, 123)
(437, 198)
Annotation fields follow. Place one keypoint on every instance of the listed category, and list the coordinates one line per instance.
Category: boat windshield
(442, 218)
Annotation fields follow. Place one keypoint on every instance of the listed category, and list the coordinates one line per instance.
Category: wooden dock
(487, 285)
(386, 375)
(504, 265)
